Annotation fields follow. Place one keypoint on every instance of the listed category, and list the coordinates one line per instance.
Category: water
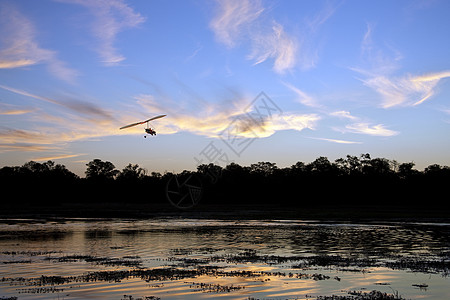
(199, 259)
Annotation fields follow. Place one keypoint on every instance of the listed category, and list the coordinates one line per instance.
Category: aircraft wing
(143, 122)
(154, 118)
(131, 125)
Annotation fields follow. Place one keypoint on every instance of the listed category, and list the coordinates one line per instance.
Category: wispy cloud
(336, 141)
(111, 18)
(233, 19)
(249, 22)
(277, 45)
(12, 136)
(407, 90)
(23, 147)
(47, 139)
(7, 109)
(360, 125)
(20, 47)
(343, 114)
(211, 119)
(49, 133)
(15, 111)
(52, 130)
(238, 20)
(404, 90)
(302, 97)
(367, 43)
(366, 128)
(380, 57)
(86, 110)
(55, 157)
(309, 48)
(316, 21)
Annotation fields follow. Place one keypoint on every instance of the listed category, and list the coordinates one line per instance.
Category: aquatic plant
(359, 295)
(128, 261)
(130, 297)
(213, 287)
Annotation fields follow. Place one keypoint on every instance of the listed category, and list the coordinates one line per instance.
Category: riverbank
(416, 213)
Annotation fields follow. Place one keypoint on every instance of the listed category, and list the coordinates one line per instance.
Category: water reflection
(191, 259)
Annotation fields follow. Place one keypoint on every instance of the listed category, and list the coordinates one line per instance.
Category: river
(176, 258)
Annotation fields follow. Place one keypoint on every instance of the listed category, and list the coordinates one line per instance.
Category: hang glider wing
(143, 122)
(131, 125)
(154, 118)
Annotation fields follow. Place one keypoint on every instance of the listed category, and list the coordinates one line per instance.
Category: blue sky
(242, 81)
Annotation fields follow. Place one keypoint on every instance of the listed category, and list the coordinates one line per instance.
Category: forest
(350, 181)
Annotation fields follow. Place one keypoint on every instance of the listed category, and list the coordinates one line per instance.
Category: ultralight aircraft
(148, 130)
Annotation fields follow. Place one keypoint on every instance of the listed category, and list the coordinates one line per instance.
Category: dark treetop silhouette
(347, 182)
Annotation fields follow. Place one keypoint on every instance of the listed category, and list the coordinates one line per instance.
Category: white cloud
(278, 45)
(51, 133)
(238, 20)
(212, 119)
(19, 47)
(302, 97)
(8, 109)
(337, 141)
(11, 62)
(55, 157)
(111, 17)
(12, 112)
(381, 57)
(244, 20)
(233, 18)
(407, 90)
(360, 126)
(81, 109)
(366, 128)
(343, 114)
(76, 120)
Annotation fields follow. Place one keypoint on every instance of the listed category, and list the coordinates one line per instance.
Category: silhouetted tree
(131, 173)
(299, 168)
(406, 170)
(211, 171)
(321, 166)
(156, 174)
(36, 182)
(236, 169)
(364, 160)
(100, 170)
(351, 181)
(349, 166)
(377, 166)
(36, 167)
(263, 168)
(433, 169)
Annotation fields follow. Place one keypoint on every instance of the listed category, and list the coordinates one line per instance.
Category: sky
(240, 81)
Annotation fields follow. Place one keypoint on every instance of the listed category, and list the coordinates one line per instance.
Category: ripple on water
(192, 259)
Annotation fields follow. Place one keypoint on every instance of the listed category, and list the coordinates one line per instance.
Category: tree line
(353, 180)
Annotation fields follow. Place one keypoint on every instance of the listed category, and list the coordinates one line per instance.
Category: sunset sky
(242, 81)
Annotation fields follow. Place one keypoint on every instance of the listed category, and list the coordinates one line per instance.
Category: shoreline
(362, 213)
